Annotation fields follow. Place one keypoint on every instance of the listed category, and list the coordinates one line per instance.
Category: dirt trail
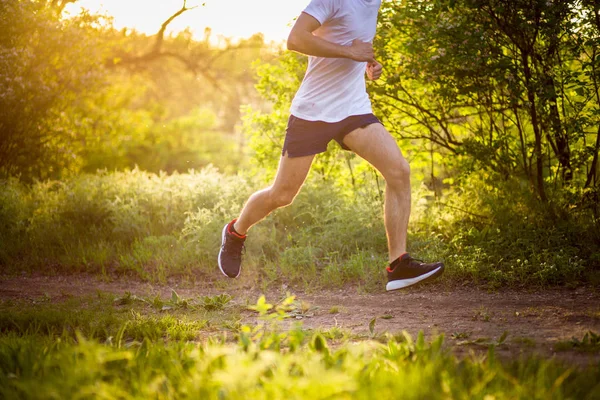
(534, 320)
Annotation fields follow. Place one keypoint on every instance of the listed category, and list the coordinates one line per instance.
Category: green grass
(589, 343)
(132, 347)
(524, 341)
(126, 318)
(161, 227)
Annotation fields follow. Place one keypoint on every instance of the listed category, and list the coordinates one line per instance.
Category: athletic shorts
(305, 138)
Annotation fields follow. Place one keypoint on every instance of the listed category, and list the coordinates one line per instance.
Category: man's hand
(374, 70)
(361, 51)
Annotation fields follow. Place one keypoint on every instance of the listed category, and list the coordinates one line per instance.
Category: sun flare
(230, 18)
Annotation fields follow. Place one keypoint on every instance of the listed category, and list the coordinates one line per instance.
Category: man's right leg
(291, 175)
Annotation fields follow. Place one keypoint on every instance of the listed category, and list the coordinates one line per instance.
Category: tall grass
(34, 367)
(160, 226)
(157, 226)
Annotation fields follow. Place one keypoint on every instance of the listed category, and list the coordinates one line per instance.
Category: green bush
(157, 226)
(499, 234)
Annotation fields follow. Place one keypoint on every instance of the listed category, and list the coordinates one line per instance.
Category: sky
(231, 18)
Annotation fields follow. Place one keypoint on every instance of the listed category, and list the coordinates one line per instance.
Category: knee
(282, 197)
(398, 174)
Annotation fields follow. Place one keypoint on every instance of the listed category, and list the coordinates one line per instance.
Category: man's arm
(303, 41)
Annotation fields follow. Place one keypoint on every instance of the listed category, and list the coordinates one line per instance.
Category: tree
(76, 94)
(497, 82)
(47, 65)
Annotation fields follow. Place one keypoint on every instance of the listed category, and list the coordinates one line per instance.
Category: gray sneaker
(230, 255)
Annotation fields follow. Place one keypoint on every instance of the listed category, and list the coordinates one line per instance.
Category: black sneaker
(230, 256)
(407, 271)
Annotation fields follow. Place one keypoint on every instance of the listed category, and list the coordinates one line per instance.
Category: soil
(469, 317)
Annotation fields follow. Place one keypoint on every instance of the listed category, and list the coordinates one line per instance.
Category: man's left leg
(375, 144)
(378, 147)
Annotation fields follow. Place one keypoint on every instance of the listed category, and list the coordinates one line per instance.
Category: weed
(301, 310)
(461, 335)
(127, 298)
(177, 302)
(589, 343)
(372, 327)
(217, 302)
(485, 341)
(482, 314)
(336, 334)
(524, 341)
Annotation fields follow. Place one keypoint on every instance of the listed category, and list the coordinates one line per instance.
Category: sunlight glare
(230, 18)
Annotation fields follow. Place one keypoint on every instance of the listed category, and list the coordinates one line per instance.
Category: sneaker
(407, 271)
(230, 256)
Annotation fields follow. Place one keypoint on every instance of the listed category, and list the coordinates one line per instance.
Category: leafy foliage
(47, 68)
(78, 95)
(510, 87)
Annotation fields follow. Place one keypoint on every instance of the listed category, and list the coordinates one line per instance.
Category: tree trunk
(536, 127)
(559, 140)
(526, 164)
(592, 175)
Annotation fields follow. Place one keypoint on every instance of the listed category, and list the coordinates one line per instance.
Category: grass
(589, 343)
(129, 317)
(161, 227)
(524, 341)
(131, 347)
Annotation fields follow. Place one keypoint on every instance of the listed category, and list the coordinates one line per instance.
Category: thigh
(376, 145)
(292, 172)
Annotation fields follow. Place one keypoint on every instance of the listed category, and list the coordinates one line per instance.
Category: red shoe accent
(233, 233)
(389, 267)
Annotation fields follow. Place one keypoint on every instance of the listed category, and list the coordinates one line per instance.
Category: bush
(499, 234)
(158, 226)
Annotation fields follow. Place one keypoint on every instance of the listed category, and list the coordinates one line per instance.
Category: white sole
(219, 258)
(404, 283)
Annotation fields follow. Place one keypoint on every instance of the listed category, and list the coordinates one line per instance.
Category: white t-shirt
(334, 88)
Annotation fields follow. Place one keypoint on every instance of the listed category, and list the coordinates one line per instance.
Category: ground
(536, 321)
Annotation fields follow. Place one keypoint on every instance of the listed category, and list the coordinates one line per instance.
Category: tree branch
(161, 33)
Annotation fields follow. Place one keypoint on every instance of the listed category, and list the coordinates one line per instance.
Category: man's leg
(290, 177)
(378, 147)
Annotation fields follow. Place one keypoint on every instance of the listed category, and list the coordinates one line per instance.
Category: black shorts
(305, 138)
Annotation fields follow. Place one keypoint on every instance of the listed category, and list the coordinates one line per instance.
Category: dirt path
(470, 318)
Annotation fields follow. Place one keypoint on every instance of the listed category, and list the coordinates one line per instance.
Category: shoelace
(410, 260)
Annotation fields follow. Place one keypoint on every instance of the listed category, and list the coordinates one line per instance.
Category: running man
(332, 104)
